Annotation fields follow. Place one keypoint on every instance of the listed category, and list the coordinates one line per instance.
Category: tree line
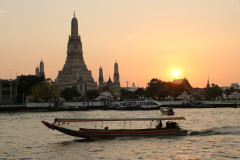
(158, 90)
(41, 88)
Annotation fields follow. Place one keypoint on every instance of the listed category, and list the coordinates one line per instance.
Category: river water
(214, 133)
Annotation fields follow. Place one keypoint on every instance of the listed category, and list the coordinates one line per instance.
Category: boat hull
(167, 113)
(139, 105)
(99, 134)
(138, 108)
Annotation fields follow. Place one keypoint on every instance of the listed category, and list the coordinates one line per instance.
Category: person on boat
(159, 125)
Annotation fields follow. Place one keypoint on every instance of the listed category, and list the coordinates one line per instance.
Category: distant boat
(171, 128)
(167, 111)
(139, 105)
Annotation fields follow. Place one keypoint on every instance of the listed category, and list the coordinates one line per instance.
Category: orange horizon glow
(148, 40)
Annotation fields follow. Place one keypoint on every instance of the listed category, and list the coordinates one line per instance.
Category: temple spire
(100, 79)
(116, 73)
(74, 27)
(208, 85)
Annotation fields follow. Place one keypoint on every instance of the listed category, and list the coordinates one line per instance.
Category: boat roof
(115, 119)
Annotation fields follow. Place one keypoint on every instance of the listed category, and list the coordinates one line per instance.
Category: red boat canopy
(115, 119)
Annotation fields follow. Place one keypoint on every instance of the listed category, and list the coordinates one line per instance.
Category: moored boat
(171, 128)
(139, 105)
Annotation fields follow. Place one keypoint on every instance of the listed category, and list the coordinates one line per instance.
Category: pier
(91, 105)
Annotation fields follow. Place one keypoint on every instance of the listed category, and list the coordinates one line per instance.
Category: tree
(140, 92)
(69, 93)
(158, 89)
(92, 94)
(228, 92)
(45, 91)
(25, 83)
(125, 94)
(165, 90)
(154, 87)
(214, 91)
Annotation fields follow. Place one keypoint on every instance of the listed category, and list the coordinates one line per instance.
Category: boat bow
(51, 126)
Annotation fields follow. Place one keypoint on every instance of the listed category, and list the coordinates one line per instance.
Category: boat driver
(159, 125)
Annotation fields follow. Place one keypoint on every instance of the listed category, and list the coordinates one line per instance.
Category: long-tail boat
(171, 128)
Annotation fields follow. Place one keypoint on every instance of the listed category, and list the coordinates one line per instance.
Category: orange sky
(148, 38)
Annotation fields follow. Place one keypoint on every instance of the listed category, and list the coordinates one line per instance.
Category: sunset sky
(148, 38)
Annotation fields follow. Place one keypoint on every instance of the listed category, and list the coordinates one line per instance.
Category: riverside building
(75, 72)
(8, 91)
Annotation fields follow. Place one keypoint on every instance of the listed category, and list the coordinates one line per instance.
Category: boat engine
(170, 124)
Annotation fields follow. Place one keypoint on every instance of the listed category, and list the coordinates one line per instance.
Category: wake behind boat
(171, 128)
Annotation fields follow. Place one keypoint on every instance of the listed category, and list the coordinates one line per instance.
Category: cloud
(3, 12)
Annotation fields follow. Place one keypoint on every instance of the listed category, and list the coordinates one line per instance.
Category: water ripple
(22, 136)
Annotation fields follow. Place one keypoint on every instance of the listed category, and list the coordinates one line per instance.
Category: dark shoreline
(26, 109)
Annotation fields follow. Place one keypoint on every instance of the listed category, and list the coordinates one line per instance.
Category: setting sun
(175, 73)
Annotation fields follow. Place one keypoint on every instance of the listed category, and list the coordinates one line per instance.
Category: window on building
(6, 92)
(5, 85)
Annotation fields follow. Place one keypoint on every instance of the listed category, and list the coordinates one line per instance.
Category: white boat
(139, 105)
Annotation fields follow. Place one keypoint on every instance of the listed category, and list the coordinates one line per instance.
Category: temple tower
(41, 69)
(74, 72)
(100, 79)
(116, 73)
(37, 71)
(113, 86)
(116, 82)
